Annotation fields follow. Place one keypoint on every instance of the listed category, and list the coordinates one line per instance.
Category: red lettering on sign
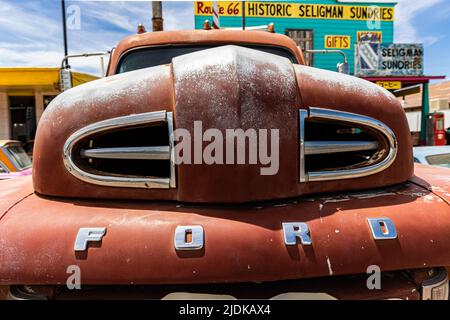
(201, 9)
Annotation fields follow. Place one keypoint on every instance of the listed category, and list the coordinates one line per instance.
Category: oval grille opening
(337, 146)
(341, 145)
(141, 151)
(130, 151)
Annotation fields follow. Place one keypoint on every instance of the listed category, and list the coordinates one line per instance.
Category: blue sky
(30, 30)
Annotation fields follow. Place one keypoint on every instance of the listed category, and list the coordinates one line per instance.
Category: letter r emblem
(294, 230)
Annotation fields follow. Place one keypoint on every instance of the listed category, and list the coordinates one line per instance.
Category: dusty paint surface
(243, 243)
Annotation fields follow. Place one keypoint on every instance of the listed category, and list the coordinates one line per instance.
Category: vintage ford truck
(319, 192)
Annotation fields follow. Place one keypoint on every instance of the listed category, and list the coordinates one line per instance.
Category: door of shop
(304, 38)
(23, 117)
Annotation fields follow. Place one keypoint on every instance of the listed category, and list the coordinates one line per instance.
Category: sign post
(216, 23)
(425, 111)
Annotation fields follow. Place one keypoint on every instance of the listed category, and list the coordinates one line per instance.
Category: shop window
(23, 117)
(304, 38)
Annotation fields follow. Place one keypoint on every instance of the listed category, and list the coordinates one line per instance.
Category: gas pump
(436, 129)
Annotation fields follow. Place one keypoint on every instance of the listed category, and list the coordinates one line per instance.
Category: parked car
(434, 155)
(116, 201)
(14, 161)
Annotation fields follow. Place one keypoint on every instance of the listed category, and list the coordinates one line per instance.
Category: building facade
(362, 30)
(24, 94)
(313, 24)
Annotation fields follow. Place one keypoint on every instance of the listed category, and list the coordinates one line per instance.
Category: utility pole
(157, 19)
(243, 15)
(66, 53)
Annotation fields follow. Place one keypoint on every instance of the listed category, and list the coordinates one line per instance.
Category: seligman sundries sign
(388, 59)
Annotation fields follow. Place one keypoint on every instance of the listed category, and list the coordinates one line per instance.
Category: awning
(409, 80)
(32, 77)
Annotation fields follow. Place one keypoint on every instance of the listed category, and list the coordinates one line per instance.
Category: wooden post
(243, 15)
(5, 120)
(157, 19)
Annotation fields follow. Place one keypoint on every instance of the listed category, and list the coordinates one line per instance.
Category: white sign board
(65, 79)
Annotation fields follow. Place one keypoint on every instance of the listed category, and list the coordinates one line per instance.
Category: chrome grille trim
(307, 148)
(303, 114)
(321, 147)
(159, 152)
(172, 180)
(133, 153)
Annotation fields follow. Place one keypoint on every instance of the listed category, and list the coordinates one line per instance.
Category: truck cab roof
(211, 38)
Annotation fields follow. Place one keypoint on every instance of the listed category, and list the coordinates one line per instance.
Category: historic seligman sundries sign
(388, 59)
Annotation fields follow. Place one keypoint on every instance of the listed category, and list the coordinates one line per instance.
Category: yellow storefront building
(24, 94)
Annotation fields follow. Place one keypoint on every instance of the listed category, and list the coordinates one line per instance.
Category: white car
(436, 155)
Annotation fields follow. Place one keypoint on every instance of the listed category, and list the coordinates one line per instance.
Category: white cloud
(124, 15)
(31, 33)
(178, 17)
(407, 28)
(31, 30)
(23, 22)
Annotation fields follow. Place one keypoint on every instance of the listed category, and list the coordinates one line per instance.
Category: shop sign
(390, 85)
(337, 42)
(369, 36)
(65, 79)
(296, 10)
(388, 59)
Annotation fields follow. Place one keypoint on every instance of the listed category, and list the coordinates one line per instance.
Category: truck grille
(341, 145)
(131, 151)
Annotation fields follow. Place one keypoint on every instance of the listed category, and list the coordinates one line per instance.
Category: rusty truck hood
(242, 243)
(224, 88)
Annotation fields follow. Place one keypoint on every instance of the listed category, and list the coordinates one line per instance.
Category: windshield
(19, 157)
(442, 160)
(154, 56)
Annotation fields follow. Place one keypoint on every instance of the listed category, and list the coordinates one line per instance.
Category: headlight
(436, 287)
